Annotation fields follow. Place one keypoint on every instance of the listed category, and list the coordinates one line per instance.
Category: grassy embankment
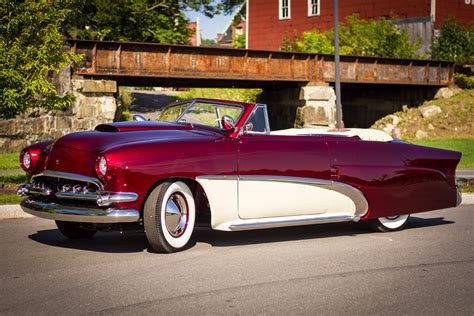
(452, 129)
(9, 182)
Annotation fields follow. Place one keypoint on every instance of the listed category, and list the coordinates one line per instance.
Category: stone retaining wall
(95, 104)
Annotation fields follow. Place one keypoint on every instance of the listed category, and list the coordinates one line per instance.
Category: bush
(239, 41)
(358, 37)
(454, 43)
(464, 81)
(124, 102)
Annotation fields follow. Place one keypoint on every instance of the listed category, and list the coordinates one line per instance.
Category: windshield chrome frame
(210, 102)
(267, 121)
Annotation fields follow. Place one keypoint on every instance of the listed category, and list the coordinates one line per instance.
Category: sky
(209, 26)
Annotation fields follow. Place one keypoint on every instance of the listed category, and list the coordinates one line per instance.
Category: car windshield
(200, 112)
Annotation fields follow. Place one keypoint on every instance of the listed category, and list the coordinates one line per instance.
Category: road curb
(15, 211)
(12, 211)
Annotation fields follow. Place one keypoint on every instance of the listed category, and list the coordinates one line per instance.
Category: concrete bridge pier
(309, 105)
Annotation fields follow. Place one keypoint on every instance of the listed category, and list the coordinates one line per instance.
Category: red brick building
(195, 37)
(270, 21)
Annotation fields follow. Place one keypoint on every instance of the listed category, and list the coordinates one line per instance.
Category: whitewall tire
(169, 215)
(389, 224)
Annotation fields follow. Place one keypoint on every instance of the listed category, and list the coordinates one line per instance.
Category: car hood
(107, 136)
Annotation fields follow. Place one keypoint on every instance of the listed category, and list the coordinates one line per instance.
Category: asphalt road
(322, 269)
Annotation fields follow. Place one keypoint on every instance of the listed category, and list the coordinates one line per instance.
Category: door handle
(334, 171)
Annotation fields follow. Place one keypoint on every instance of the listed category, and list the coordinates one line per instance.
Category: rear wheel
(169, 216)
(73, 230)
(389, 224)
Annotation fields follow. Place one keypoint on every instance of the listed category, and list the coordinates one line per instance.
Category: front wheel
(73, 230)
(389, 224)
(169, 214)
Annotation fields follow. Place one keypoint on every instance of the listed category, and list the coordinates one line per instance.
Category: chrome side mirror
(138, 117)
(227, 123)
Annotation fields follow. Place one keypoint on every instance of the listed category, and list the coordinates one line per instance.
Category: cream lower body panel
(254, 202)
(261, 198)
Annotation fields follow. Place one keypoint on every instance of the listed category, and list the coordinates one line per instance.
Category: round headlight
(102, 166)
(27, 160)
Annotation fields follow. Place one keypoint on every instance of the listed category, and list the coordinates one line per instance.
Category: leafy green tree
(239, 41)
(208, 42)
(358, 37)
(454, 43)
(130, 20)
(161, 21)
(31, 46)
(211, 7)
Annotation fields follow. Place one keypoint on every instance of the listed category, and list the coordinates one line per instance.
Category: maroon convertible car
(218, 161)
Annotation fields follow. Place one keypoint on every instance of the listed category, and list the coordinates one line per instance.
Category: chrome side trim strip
(288, 221)
(70, 176)
(218, 177)
(77, 214)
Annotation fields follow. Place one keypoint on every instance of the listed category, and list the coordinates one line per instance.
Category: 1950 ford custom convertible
(218, 161)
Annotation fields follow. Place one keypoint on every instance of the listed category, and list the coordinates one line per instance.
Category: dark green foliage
(31, 45)
(208, 42)
(130, 20)
(211, 7)
(464, 81)
(239, 41)
(454, 43)
(161, 21)
(358, 37)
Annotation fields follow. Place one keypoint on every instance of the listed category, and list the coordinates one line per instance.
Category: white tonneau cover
(364, 134)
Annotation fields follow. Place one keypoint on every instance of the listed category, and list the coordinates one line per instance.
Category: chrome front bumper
(50, 210)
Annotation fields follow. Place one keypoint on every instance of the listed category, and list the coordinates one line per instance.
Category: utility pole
(337, 66)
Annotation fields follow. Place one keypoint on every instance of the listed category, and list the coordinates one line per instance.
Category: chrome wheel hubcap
(176, 216)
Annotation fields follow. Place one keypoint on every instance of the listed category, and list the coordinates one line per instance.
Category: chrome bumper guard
(59, 212)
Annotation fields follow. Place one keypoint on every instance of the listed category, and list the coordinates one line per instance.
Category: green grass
(6, 199)
(13, 178)
(9, 161)
(464, 145)
(467, 189)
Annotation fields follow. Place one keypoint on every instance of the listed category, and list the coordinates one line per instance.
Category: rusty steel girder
(149, 60)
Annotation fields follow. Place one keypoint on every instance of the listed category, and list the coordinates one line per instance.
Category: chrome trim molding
(218, 177)
(354, 194)
(267, 121)
(288, 221)
(79, 214)
(107, 198)
(69, 176)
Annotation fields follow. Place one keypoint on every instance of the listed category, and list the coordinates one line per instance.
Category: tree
(211, 7)
(31, 45)
(161, 21)
(454, 43)
(358, 37)
(239, 41)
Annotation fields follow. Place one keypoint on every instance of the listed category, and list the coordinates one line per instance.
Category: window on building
(313, 7)
(284, 9)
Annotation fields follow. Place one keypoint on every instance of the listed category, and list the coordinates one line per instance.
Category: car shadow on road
(223, 239)
(115, 242)
(108, 242)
